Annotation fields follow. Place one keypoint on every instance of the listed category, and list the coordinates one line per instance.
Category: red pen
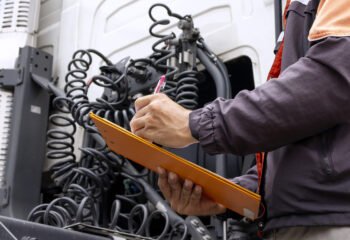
(160, 85)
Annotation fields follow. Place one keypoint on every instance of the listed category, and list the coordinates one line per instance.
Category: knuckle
(137, 102)
(161, 184)
(152, 106)
(149, 120)
(162, 177)
(146, 121)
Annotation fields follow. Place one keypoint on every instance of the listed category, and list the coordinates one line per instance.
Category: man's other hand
(186, 198)
(160, 120)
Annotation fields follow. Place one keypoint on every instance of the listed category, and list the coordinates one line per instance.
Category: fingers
(205, 205)
(176, 188)
(220, 209)
(144, 108)
(196, 196)
(178, 195)
(139, 119)
(186, 198)
(137, 123)
(216, 209)
(146, 100)
(145, 134)
(163, 183)
(185, 194)
(141, 112)
(142, 102)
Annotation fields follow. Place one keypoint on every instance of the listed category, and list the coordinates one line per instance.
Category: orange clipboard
(145, 153)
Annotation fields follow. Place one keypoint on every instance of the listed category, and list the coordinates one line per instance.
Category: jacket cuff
(203, 129)
(194, 126)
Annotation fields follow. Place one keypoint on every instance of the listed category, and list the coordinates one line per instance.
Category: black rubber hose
(223, 89)
(215, 72)
(223, 70)
(221, 66)
(150, 193)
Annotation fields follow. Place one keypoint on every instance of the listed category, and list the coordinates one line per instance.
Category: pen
(160, 85)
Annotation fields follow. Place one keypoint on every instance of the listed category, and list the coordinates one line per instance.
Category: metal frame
(25, 155)
(278, 18)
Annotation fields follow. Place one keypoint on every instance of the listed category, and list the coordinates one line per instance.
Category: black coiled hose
(82, 183)
(128, 215)
(180, 86)
(86, 184)
(64, 211)
(187, 90)
(167, 52)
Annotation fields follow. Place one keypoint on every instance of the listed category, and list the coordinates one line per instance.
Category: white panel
(120, 28)
(18, 26)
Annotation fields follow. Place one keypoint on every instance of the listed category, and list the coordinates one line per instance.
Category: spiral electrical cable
(187, 90)
(126, 220)
(180, 229)
(150, 219)
(87, 183)
(165, 54)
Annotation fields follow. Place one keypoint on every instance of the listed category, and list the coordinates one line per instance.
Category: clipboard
(147, 154)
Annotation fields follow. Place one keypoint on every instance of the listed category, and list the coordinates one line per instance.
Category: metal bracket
(40, 71)
(30, 101)
(4, 196)
(39, 68)
(9, 78)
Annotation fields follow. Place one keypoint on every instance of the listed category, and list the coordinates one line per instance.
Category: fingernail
(160, 170)
(172, 176)
(188, 183)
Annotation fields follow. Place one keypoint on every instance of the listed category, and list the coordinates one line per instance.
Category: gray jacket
(302, 120)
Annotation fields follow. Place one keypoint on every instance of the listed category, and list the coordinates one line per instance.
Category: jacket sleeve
(309, 96)
(249, 180)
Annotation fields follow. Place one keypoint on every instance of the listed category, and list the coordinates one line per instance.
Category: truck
(62, 59)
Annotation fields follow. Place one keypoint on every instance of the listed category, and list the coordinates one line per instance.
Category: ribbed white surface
(18, 27)
(6, 101)
(14, 15)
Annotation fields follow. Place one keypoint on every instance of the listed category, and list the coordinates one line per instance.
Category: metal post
(278, 18)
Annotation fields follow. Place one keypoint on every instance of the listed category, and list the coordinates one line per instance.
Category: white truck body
(231, 28)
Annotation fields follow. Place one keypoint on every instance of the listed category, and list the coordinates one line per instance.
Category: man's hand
(160, 120)
(186, 198)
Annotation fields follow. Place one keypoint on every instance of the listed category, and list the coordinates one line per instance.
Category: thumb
(220, 208)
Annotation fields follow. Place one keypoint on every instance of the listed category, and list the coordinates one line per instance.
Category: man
(301, 118)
